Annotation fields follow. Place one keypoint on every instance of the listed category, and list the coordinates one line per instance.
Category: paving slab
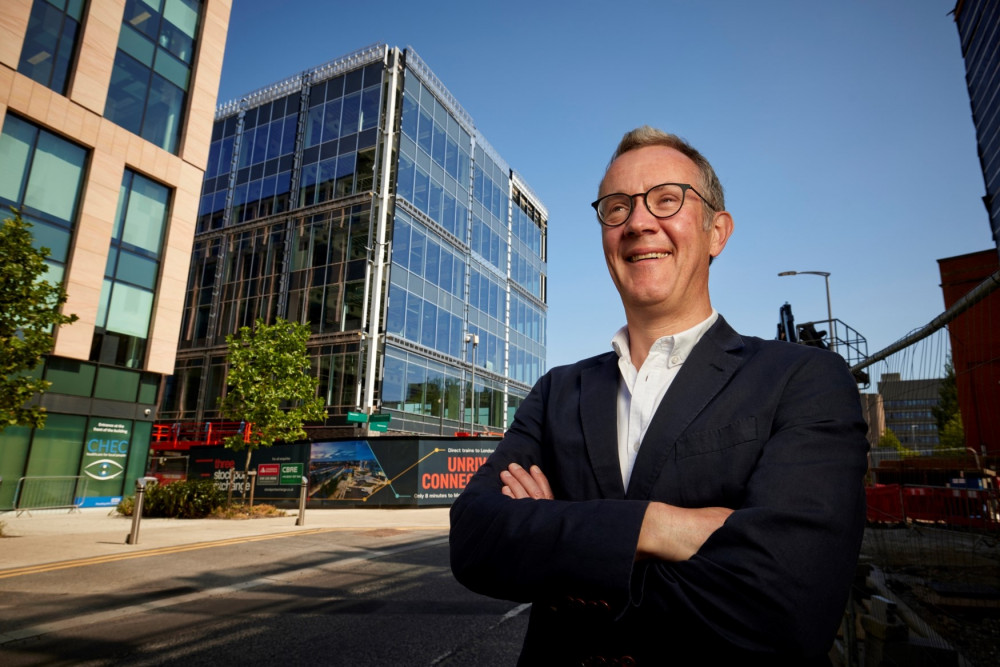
(51, 536)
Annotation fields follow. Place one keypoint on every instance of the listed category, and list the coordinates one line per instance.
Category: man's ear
(721, 230)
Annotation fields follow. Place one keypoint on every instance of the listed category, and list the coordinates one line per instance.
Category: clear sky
(841, 131)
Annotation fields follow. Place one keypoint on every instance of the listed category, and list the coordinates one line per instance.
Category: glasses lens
(614, 209)
(665, 200)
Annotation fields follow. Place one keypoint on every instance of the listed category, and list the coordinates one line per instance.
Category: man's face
(660, 266)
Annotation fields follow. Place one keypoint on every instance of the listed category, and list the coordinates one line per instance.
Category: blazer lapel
(599, 416)
(712, 362)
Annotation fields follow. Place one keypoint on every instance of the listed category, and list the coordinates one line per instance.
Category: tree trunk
(246, 475)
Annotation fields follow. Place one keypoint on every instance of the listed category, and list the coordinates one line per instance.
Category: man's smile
(648, 255)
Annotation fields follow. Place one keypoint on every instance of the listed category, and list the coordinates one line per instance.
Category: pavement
(51, 536)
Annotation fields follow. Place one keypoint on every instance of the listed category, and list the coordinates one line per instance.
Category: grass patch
(243, 511)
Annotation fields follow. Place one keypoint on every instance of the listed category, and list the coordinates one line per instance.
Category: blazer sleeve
(526, 550)
(773, 578)
(776, 575)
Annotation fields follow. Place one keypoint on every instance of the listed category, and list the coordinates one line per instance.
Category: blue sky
(841, 131)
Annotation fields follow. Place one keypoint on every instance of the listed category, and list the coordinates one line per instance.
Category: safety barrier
(975, 509)
(49, 492)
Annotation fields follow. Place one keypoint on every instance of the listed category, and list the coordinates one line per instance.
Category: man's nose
(640, 219)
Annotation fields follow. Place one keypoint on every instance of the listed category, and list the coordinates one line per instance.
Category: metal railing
(49, 492)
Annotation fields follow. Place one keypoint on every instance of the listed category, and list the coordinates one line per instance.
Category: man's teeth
(648, 255)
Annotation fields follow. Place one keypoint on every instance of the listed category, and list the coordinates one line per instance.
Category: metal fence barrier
(49, 492)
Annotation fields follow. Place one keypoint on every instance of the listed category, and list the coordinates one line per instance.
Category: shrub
(191, 499)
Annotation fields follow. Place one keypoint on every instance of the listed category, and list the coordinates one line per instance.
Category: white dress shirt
(640, 391)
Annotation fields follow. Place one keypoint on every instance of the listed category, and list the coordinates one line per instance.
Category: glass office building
(105, 124)
(359, 197)
(978, 24)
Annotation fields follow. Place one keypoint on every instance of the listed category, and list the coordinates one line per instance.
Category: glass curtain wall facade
(111, 201)
(358, 197)
(978, 24)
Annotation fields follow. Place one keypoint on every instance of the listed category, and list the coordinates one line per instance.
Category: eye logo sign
(104, 469)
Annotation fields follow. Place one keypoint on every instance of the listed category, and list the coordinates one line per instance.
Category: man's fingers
(512, 487)
(543, 483)
(525, 484)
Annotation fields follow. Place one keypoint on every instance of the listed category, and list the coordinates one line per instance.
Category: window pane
(55, 177)
(137, 270)
(146, 215)
(172, 69)
(70, 377)
(369, 108)
(102, 306)
(352, 112)
(41, 43)
(15, 146)
(163, 114)
(137, 46)
(116, 384)
(56, 449)
(56, 239)
(127, 94)
(129, 310)
(143, 16)
(183, 14)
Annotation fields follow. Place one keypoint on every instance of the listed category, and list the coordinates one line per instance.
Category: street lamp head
(825, 274)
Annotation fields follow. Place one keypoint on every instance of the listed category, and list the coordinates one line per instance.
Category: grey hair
(710, 185)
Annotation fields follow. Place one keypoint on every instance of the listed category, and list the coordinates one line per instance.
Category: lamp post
(829, 310)
(474, 339)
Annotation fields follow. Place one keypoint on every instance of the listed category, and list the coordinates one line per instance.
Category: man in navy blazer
(693, 495)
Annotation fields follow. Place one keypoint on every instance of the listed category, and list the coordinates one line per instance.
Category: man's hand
(674, 534)
(521, 483)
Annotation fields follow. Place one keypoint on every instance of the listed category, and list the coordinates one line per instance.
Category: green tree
(30, 312)
(890, 441)
(270, 386)
(947, 406)
(951, 434)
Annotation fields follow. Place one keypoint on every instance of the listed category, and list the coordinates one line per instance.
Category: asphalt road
(329, 597)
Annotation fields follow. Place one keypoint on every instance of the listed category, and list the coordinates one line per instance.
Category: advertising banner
(394, 470)
(222, 465)
(444, 471)
(105, 456)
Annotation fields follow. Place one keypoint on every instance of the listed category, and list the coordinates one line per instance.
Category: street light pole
(829, 310)
(474, 339)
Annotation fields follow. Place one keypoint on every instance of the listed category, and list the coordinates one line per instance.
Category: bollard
(140, 491)
(253, 484)
(301, 521)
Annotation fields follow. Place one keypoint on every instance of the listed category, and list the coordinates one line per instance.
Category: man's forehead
(651, 165)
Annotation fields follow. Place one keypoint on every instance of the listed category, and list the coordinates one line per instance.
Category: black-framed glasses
(662, 201)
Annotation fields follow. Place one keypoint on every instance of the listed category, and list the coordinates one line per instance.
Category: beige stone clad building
(106, 110)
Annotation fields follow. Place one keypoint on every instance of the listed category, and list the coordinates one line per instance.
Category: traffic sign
(357, 417)
(379, 422)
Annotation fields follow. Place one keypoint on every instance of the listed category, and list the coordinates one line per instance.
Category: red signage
(267, 473)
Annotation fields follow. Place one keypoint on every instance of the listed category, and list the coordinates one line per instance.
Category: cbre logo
(103, 469)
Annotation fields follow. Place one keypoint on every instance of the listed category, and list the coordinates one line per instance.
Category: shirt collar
(678, 345)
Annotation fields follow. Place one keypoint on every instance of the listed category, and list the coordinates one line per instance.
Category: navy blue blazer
(770, 429)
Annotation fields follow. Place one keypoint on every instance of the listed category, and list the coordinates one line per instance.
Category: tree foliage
(30, 312)
(890, 441)
(270, 386)
(951, 434)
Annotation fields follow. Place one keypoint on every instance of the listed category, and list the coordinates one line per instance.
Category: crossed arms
(668, 533)
(755, 538)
